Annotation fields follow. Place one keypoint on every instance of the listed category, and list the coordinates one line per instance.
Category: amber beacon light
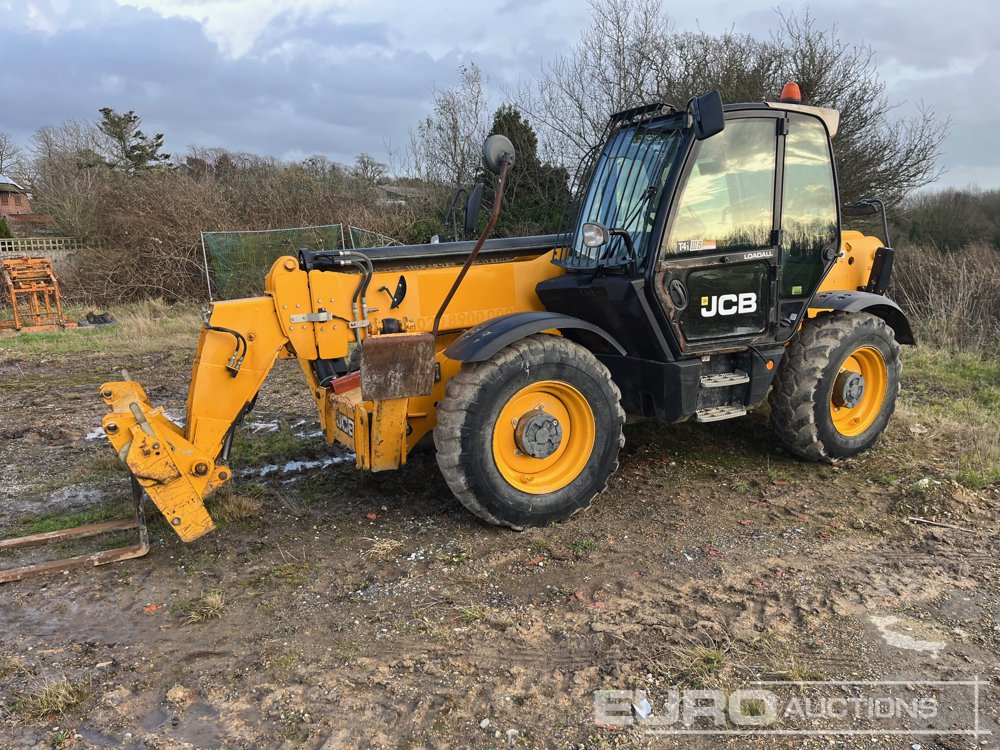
(790, 94)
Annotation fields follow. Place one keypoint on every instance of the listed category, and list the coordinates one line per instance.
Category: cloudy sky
(293, 78)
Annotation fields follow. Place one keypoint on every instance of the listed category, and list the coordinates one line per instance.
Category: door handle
(678, 293)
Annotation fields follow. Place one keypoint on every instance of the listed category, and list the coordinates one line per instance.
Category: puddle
(292, 467)
(902, 640)
(72, 499)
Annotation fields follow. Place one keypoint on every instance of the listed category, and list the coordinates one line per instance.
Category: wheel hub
(848, 389)
(538, 434)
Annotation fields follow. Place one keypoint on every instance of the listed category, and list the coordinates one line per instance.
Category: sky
(293, 78)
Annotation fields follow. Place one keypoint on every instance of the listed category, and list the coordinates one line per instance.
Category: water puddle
(294, 467)
(901, 640)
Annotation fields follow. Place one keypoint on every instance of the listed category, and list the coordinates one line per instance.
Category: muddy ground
(335, 610)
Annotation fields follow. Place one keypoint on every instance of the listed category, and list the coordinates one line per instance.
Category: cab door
(717, 270)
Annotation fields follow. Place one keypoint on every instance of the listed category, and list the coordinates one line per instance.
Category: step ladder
(724, 411)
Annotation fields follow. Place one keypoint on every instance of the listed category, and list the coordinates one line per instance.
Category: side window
(809, 207)
(727, 200)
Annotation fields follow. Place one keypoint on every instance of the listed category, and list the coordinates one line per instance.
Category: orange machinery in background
(32, 290)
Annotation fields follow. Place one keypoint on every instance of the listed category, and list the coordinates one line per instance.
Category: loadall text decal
(728, 304)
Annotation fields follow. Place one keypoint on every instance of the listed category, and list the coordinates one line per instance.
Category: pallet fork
(79, 532)
(31, 286)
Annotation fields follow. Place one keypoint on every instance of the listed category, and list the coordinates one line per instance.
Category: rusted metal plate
(397, 365)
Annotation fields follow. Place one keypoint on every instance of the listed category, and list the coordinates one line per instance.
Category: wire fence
(237, 262)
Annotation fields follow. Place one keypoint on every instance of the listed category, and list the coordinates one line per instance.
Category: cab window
(809, 207)
(727, 200)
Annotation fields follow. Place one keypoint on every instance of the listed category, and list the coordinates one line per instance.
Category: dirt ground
(337, 610)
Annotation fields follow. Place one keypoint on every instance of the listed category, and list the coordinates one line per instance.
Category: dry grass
(381, 548)
(956, 396)
(10, 666)
(208, 607)
(51, 698)
(232, 507)
(142, 328)
(953, 297)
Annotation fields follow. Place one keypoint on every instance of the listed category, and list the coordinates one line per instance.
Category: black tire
(468, 416)
(801, 409)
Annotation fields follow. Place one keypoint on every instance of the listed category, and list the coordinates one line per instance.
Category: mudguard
(484, 340)
(876, 304)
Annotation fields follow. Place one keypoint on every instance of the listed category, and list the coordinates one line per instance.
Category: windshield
(624, 192)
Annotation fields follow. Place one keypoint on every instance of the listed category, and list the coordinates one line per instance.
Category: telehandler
(705, 267)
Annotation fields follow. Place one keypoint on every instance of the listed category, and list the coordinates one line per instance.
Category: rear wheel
(837, 387)
(531, 435)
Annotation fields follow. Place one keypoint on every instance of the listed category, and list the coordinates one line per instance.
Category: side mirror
(472, 210)
(496, 150)
(707, 115)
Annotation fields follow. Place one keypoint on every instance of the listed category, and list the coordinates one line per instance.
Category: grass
(142, 327)
(283, 444)
(289, 574)
(231, 507)
(473, 613)
(800, 673)
(956, 395)
(703, 664)
(581, 546)
(60, 521)
(381, 548)
(51, 698)
(207, 607)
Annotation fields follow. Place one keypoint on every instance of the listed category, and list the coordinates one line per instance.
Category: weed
(700, 665)
(753, 707)
(741, 486)
(9, 666)
(474, 613)
(51, 698)
(582, 546)
(206, 607)
(800, 673)
(231, 507)
(285, 662)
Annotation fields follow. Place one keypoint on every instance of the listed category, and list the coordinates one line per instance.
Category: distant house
(398, 194)
(13, 198)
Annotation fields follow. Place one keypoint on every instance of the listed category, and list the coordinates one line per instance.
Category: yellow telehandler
(705, 267)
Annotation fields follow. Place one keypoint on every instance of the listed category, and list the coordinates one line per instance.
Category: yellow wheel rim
(549, 400)
(852, 416)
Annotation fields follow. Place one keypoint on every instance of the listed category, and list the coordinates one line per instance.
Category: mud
(374, 612)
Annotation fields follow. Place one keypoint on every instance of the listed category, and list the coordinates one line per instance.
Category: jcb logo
(728, 304)
(345, 424)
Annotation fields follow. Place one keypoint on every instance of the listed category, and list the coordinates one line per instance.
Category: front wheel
(837, 387)
(531, 435)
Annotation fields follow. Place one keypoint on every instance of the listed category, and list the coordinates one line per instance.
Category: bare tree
(369, 170)
(573, 96)
(639, 59)
(12, 158)
(447, 145)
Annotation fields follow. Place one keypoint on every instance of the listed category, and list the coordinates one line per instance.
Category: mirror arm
(494, 215)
